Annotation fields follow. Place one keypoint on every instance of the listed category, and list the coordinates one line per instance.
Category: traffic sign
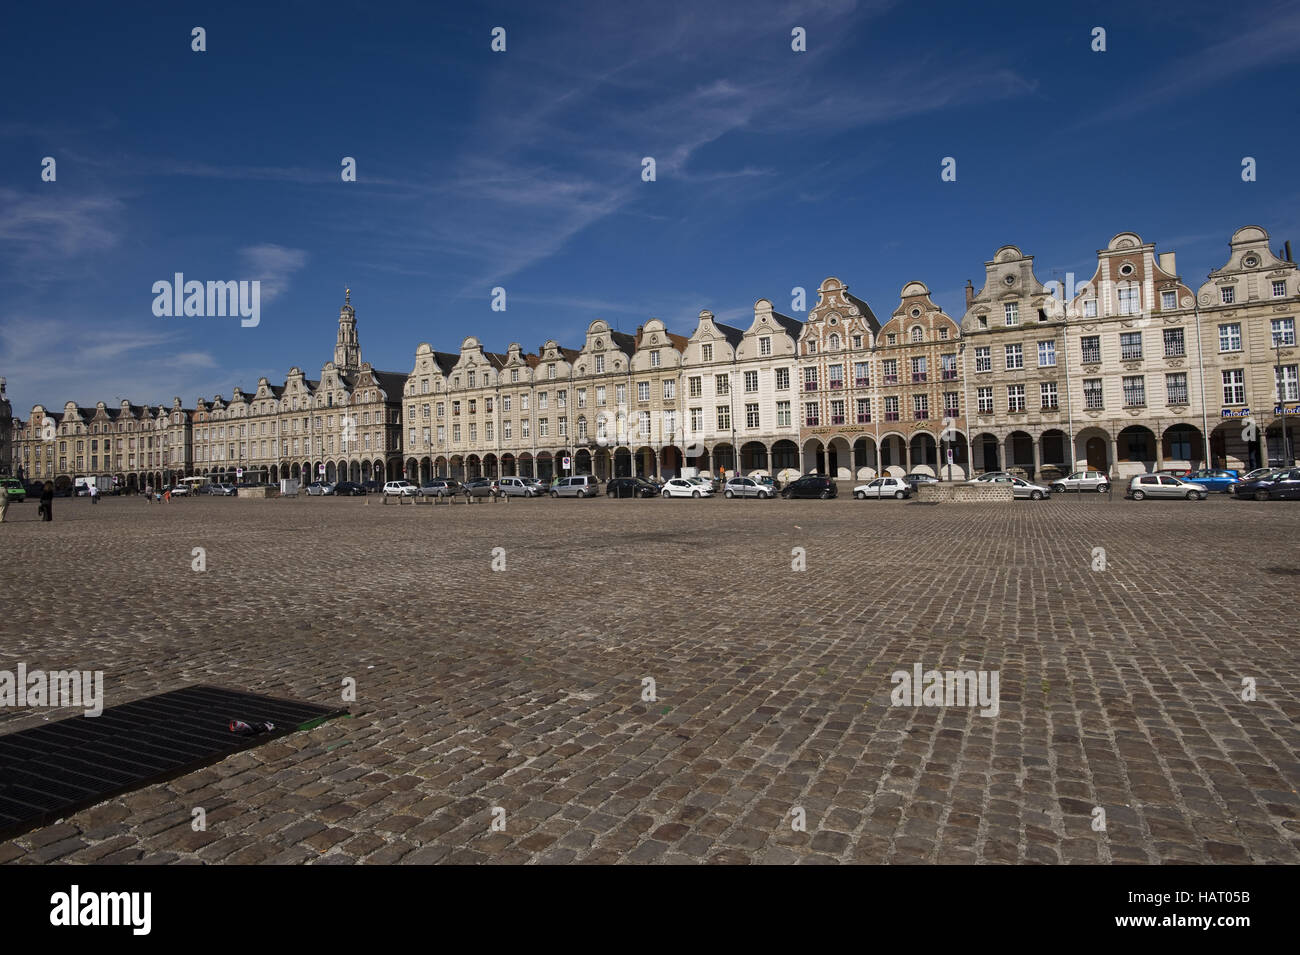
(568, 462)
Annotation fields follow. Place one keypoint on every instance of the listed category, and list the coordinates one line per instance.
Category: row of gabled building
(1129, 371)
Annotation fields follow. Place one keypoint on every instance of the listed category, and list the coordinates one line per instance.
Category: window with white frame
(864, 411)
(1175, 346)
(1047, 354)
(1283, 330)
(984, 400)
(1135, 391)
(1287, 383)
(1092, 394)
(751, 382)
(722, 384)
(812, 413)
(783, 414)
(782, 379)
(1227, 295)
(1129, 302)
(1015, 397)
(694, 386)
(1011, 313)
(765, 345)
(1130, 346)
(983, 360)
(1234, 386)
(1015, 357)
(751, 416)
(1047, 395)
(706, 352)
(1168, 301)
(1176, 388)
(670, 389)
(1230, 337)
(643, 391)
(724, 417)
(1090, 308)
(1279, 288)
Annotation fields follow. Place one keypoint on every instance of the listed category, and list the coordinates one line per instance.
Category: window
(918, 369)
(1015, 357)
(1091, 348)
(1135, 391)
(751, 382)
(543, 427)
(507, 431)
(783, 414)
(921, 407)
(1047, 395)
(1227, 295)
(983, 360)
(550, 371)
(543, 401)
(1130, 346)
(1176, 388)
(857, 341)
(751, 416)
(1288, 382)
(948, 367)
(810, 379)
(984, 400)
(722, 384)
(765, 345)
(455, 433)
(1015, 397)
(561, 399)
(891, 339)
(1168, 301)
(812, 413)
(1283, 332)
(655, 359)
(670, 389)
(600, 396)
(473, 431)
(835, 343)
(706, 353)
(1279, 288)
(620, 395)
(864, 411)
(835, 376)
(643, 391)
(1128, 300)
(810, 348)
(861, 374)
(514, 374)
(523, 401)
(1092, 395)
(943, 334)
(1046, 354)
(891, 408)
(918, 334)
(1011, 313)
(724, 417)
(782, 379)
(487, 429)
(523, 428)
(1090, 308)
(889, 369)
(600, 364)
(1230, 337)
(1174, 345)
(694, 386)
(697, 420)
(455, 409)
(951, 403)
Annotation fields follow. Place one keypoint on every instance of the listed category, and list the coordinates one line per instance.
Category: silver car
(987, 477)
(517, 487)
(1023, 490)
(1082, 481)
(578, 485)
(746, 487)
(1164, 485)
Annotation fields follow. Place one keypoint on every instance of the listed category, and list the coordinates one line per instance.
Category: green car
(14, 490)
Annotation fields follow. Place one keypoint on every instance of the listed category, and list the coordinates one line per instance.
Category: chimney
(1287, 246)
(1167, 263)
(970, 293)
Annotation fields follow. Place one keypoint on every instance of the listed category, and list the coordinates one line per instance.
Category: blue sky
(522, 169)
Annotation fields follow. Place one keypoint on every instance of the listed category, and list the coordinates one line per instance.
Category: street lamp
(1287, 459)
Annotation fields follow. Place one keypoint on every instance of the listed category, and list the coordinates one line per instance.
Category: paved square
(522, 689)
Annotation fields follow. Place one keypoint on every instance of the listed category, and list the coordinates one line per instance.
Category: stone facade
(1132, 371)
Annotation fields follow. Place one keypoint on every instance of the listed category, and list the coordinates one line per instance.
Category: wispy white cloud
(40, 231)
(273, 265)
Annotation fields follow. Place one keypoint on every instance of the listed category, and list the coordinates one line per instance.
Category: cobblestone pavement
(522, 689)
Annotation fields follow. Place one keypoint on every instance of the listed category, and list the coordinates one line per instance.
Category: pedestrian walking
(94, 494)
(148, 493)
(4, 502)
(47, 501)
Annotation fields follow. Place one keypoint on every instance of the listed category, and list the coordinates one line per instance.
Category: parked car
(992, 476)
(479, 487)
(811, 486)
(685, 487)
(915, 480)
(577, 485)
(1165, 485)
(1082, 481)
(398, 488)
(222, 490)
(14, 490)
(439, 487)
(630, 487)
(180, 490)
(518, 487)
(747, 487)
(1215, 479)
(1280, 484)
(1025, 490)
(1254, 475)
(349, 489)
(320, 489)
(706, 480)
(372, 487)
(883, 487)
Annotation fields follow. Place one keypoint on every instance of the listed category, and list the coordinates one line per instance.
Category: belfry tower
(347, 352)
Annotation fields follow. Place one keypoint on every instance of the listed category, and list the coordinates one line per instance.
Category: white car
(401, 488)
(685, 487)
(883, 487)
(1082, 481)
